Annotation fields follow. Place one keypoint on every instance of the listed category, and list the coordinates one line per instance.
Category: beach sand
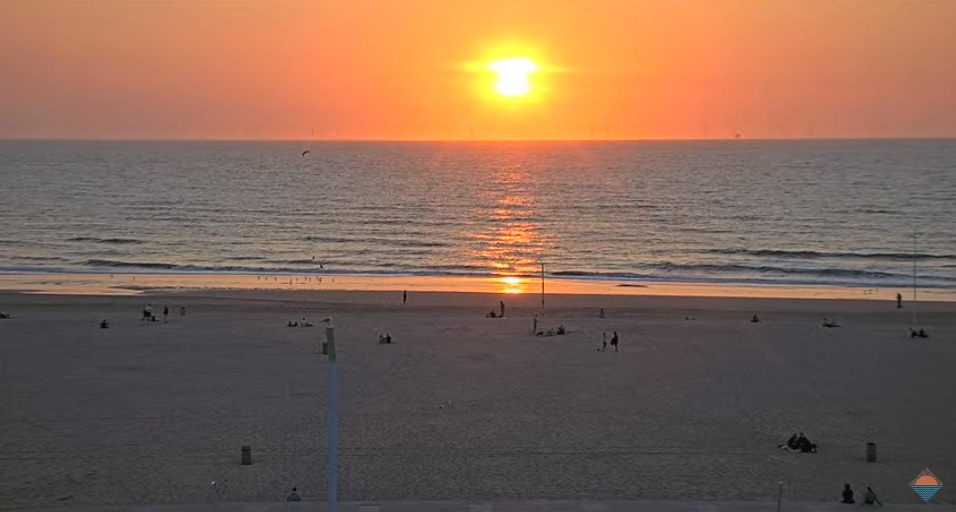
(465, 407)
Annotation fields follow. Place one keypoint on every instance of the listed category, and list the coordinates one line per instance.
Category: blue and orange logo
(926, 484)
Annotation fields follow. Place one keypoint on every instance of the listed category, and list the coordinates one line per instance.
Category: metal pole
(779, 495)
(542, 288)
(333, 464)
(915, 314)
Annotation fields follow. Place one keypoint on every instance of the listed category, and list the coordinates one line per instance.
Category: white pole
(333, 464)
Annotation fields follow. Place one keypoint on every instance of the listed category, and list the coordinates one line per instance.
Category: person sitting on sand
(491, 314)
(388, 338)
(305, 323)
(104, 325)
(561, 330)
(292, 324)
(829, 323)
(922, 334)
(293, 496)
(5, 316)
(869, 497)
(804, 444)
(791, 443)
(848, 495)
(755, 319)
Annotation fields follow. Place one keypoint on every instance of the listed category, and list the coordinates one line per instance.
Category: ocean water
(775, 212)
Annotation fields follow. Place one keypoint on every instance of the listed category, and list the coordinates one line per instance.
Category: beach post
(870, 451)
(333, 464)
(246, 454)
(779, 495)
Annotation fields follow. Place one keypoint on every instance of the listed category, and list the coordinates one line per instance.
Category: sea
(862, 213)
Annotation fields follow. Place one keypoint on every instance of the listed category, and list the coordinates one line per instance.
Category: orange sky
(399, 69)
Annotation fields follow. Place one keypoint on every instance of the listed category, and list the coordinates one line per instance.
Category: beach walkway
(516, 506)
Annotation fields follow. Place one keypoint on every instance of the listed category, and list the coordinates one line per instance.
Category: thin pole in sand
(542, 288)
(779, 495)
(915, 314)
(333, 464)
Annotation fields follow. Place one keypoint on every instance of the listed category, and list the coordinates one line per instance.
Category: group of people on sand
(384, 339)
(5, 316)
(799, 443)
(500, 314)
(615, 341)
(298, 323)
(869, 497)
(149, 317)
(918, 334)
(559, 331)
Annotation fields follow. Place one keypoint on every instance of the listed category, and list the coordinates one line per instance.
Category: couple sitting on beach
(5, 316)
(918, 334)
(384, 339)
(552, 332)
(829, 323)
(799, 443)
(304, 323)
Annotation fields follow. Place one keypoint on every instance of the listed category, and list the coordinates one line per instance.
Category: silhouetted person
(502, 304)
(755, 319)
(293, 496)
(381, 339)
(182, 310)
(405, 297)
(614, 341)
(847, 495)
(899, 301)
(535, 328)
(388, 338)
(869, 497)
(165, 313)
(561, 330)
(104, 325)
(603, 341)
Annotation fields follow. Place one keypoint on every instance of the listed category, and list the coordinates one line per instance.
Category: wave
(401, 242)
(105, 240)
(781, 253)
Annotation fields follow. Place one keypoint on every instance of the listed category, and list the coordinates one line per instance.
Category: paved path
(515, 506)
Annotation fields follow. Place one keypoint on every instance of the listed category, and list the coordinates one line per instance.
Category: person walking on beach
(614, 341)
(502, 304)
(165, 313)
(899, 301)
(604, 341)
(148, 314)
(534, 329)
(405, 297)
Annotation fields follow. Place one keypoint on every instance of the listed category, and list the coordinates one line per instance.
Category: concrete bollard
(871, 452)
(246, 455)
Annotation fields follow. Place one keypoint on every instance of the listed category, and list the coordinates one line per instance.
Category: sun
(512, 75)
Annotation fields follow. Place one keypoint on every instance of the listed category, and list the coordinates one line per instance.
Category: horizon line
(430, 140)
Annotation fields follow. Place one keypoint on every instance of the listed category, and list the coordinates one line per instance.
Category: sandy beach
(466, 407)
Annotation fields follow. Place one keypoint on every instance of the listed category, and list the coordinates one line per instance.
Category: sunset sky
(417, 69)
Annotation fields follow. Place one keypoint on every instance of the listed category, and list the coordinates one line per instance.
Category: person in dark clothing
(502, 304)
(614, 341)
(294, 496)
(405, 297)
(165, 313)
(899, 301)
(755, 319)
(104, 325)
(847, 495)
